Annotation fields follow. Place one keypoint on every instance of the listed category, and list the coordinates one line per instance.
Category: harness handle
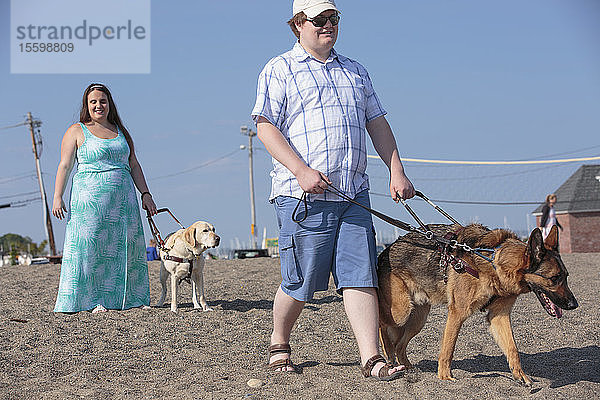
(444, 213)
(411, 212)
(155, 232)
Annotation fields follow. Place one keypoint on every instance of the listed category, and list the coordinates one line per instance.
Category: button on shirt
(322, 110)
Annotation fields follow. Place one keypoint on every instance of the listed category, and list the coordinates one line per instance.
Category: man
(151, 253)
(311, 111)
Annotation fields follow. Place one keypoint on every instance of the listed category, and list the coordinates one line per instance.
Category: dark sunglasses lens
(319, 21)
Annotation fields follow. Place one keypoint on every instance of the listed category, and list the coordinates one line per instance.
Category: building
(578, 211)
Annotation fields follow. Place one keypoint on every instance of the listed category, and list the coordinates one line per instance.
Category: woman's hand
(58, 208)
(148, 203)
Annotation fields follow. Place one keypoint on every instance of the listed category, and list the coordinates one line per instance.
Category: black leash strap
(294, 215)
(333, 189)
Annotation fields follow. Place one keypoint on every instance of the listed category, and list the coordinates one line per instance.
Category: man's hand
(312, 181)
(401, 186)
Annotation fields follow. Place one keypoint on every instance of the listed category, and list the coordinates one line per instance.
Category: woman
(549, 216)
(104, 265)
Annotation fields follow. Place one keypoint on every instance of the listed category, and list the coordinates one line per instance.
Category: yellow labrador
(182, 246)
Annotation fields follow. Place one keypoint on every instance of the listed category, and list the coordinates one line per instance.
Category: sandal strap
(280, 348)
(366, 370)
(283, 363)
(384, 372)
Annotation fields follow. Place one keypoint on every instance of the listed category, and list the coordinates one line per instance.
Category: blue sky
(461, 80)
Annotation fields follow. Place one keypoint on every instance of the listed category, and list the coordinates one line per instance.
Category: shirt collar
(301, 54)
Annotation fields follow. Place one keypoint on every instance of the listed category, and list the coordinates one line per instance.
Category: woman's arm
(68, 149)
(310, 180)
(385, 145)
(140, 182)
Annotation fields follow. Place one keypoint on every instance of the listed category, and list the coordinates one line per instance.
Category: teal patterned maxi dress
(104, 255)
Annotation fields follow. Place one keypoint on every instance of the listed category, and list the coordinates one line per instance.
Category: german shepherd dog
(411, 279)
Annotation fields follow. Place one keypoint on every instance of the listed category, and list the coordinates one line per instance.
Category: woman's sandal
(383, 374)
(282, 363)
(99, 309)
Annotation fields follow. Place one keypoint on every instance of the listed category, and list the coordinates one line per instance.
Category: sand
(155, 354)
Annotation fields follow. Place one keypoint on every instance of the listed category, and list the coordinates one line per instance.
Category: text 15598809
(47, 47)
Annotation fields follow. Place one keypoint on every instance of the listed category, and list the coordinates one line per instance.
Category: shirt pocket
(354, 100)
(290, 270)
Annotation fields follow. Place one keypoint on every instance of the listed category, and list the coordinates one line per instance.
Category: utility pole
(250, 133)
(47, 221)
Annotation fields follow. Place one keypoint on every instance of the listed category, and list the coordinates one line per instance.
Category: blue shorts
(336, 237)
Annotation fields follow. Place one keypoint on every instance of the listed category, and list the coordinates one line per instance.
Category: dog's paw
(524, 380)
(207, 309)
(446, 377)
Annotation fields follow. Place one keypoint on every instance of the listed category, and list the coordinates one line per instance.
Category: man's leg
(362, 309)
(286, 311)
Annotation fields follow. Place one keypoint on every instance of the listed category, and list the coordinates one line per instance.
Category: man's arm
(385, 145)
(310, 180)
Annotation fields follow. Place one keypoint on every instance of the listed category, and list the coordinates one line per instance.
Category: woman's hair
(297, 19)
(113, 114)
(550, 197)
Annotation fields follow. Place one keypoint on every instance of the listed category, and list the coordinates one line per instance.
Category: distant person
(548, 219)
(151, 253)
(103, 264)
(312, 108)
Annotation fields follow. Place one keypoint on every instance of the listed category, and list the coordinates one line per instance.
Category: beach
(155, 354)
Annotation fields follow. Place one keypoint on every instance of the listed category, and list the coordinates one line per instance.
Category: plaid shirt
(322, 110)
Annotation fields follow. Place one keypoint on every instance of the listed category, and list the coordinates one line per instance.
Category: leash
(445, 242)
(155, 232)
(333, 189)
(161, 243)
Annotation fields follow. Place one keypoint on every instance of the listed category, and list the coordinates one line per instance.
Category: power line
(488, 203)
(12, 126)
(570, 152)
(16, 177)
(421, 160)
(18, 195)
(207, 163)
(20, 203)
(468, 178)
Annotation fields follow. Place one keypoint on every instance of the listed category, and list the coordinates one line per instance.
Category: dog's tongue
(557, 310)
(552, 308)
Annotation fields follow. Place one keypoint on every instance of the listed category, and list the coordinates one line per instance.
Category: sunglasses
(320, 20)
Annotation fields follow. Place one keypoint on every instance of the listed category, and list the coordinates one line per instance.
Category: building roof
(579, 193)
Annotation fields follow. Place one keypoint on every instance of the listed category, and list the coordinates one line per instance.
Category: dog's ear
(535, 249)
(189, 236)
(551, 241)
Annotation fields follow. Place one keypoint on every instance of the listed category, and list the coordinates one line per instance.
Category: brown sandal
(281, 363)
(383, 374)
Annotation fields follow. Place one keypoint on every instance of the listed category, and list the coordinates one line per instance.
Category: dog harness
(190, 261)
(447, 259)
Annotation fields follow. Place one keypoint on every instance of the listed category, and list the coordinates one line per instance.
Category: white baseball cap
(312, 8)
